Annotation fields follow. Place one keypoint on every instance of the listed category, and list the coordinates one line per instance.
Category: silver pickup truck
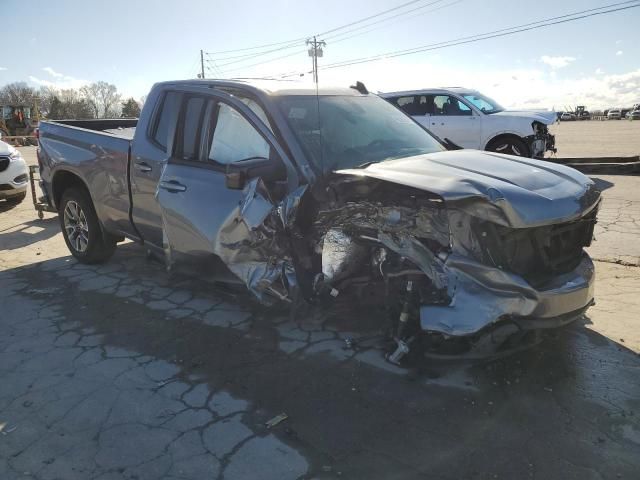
(306, 195)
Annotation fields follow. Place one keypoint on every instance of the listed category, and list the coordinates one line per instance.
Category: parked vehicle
(634, 115)
(567, 117)
(614, 114)
(582, 113)
(472, 120)
(13, 174)
(329, 194)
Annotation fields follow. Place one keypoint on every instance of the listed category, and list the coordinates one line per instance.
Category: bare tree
(103, 98)
(17, 93)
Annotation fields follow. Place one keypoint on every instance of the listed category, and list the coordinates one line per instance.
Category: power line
(382, 20)
(294, 42)
(488, 35)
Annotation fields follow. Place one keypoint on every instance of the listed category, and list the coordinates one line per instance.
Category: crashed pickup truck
(306, 196)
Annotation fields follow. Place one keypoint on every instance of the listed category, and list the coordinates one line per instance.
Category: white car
(13, 174)
(614, 114)
(471, 120)
(567, 117)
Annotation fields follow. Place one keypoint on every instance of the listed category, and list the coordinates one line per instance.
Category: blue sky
(135, 43)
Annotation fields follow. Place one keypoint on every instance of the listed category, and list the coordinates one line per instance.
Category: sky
(135, 43)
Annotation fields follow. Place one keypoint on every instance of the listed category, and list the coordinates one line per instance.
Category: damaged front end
(541, 141)
(443, 269)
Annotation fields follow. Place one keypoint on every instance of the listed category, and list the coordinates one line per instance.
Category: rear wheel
(509, 146)
(81, 228)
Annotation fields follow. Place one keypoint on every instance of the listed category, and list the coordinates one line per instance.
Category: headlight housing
(15, 155)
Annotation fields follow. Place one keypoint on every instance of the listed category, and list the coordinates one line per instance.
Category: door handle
(173, 186)
(143, 167)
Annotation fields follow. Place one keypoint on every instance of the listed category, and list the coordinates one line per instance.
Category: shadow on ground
(568, 408)
(30, 232)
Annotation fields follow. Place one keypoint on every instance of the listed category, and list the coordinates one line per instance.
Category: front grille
(4, 163)
(540, 253)
(5, 187)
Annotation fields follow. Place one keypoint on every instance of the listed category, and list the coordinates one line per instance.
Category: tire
(17, 199)
(509, 146)
(81, 229)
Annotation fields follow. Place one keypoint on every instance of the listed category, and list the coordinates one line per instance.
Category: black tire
(81, 229)
(17, 199)
(509, 146)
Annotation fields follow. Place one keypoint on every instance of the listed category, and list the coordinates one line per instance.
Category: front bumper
(482, 296)
(14, 179)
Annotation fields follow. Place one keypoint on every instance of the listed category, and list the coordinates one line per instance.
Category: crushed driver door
(206, 221)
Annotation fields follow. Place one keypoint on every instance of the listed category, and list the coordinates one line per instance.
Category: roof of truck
(270, 87)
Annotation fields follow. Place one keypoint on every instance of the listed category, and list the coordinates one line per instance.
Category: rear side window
(191, 126)
(163, 119)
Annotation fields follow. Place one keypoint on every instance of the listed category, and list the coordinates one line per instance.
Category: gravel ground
(609, 138)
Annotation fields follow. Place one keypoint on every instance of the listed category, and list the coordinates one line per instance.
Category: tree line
(95, 100)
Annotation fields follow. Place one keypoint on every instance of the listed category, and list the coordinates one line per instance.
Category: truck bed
(99, 157)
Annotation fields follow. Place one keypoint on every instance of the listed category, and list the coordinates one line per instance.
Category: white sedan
(471, 120)
(14, 174)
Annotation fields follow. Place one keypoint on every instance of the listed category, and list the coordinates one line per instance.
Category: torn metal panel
(250, 244)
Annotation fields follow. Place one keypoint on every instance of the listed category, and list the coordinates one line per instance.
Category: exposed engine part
(400, 352)
(403, 321)
(341, 256)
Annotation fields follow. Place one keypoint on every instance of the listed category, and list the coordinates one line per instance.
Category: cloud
(59, 83)
(619, 52)
(58, 80)
(3, 68)
(618, 42)
(557, 62)
(599, 71)
(52, 72)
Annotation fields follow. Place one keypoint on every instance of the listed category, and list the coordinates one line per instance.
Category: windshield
(339, 132)
(482, 103)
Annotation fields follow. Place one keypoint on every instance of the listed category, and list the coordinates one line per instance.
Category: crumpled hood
(543, 117)
(513, 191)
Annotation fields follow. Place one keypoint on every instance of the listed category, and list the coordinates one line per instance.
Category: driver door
(194, 199)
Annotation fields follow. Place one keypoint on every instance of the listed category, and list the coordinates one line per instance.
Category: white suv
(471, 120)
(13, 174)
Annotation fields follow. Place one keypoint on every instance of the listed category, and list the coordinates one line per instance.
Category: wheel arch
(507, 136)
(63, 180)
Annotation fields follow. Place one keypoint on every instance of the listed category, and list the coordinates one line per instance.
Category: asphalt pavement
(122, 371)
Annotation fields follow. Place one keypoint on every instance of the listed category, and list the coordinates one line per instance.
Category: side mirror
(268, 169)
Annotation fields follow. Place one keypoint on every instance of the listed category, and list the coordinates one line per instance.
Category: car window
(190, 128)
(450, 106)
(235, 139)
(412, 105)
(163, 119)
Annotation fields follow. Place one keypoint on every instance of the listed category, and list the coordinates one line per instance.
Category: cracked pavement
(122, 371)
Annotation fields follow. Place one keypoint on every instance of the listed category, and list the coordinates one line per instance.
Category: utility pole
(315, 51)
(201, 64)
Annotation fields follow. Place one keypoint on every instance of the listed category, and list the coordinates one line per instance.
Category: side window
(450, 106)
(191, 127)
(163, 119)
(408, 105)
(234, 138)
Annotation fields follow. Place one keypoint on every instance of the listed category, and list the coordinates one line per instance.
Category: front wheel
(81, 228)
(509, 146)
